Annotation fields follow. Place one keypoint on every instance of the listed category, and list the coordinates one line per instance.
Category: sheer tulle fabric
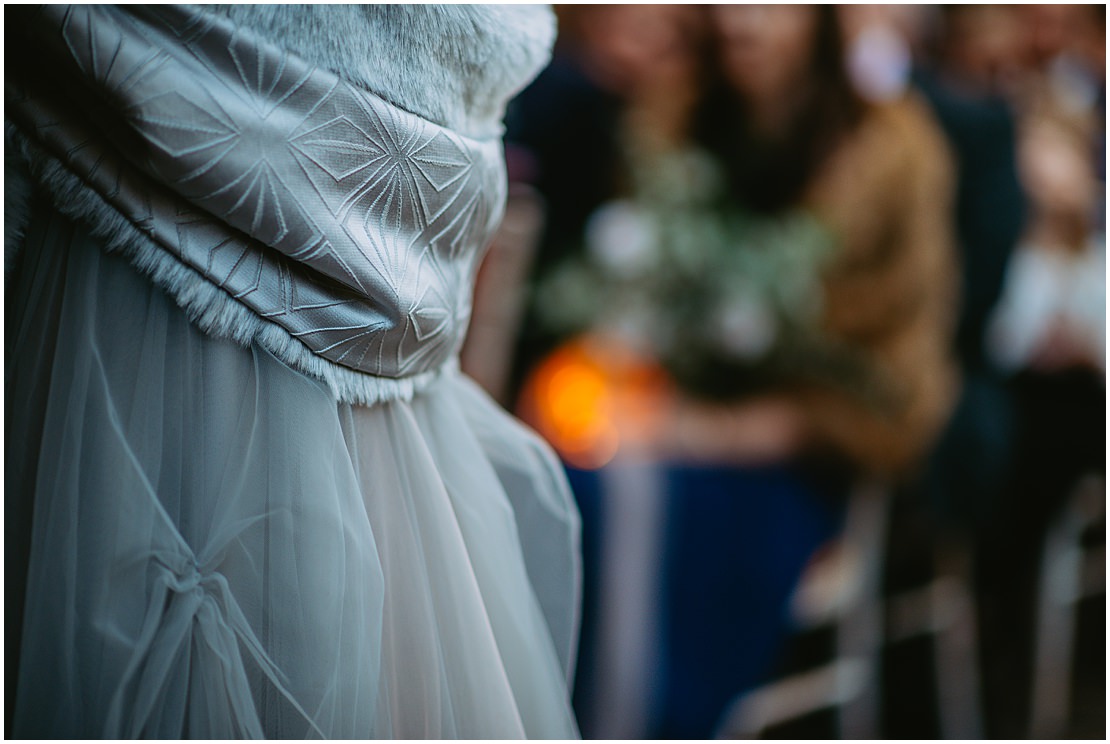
(219, 549)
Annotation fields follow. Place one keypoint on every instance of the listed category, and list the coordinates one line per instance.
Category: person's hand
(1063, 347)
(763, 430)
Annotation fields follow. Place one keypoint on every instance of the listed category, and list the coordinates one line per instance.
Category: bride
(248, 491)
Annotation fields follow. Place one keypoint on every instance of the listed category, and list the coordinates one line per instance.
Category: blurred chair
(1072, 569)
(844, 590)
(499, 295)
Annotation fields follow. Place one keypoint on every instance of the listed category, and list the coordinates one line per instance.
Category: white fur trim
(456, 65)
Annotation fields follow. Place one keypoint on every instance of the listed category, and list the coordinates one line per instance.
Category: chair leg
(956, 656)
(850, 683)
(1059, 591)
(831, 686)
(859, 634)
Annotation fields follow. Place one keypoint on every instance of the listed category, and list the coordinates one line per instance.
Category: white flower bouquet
(729, 302)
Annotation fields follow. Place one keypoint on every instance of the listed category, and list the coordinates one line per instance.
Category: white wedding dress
(218, 545)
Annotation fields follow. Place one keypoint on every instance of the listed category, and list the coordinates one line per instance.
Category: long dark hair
(769, 173)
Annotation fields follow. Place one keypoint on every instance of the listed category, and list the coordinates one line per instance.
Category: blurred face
(1052, 28)
(1056, 171)
(634, 46)
(767, 49)
(985, 45)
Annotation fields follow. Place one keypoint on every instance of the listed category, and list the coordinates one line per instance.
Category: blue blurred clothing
(736, 542)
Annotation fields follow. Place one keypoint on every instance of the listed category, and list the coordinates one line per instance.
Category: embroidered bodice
(350, 224)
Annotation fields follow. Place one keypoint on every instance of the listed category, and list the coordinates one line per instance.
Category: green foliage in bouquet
(728, 301)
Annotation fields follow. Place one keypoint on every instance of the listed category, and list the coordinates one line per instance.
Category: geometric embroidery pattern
(352, 224)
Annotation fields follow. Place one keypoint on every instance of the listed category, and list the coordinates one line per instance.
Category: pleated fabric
(219, 549)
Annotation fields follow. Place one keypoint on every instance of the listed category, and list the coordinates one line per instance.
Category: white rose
(621, 238)
(746, 327)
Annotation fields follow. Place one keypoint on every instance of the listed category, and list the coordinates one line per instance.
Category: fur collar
(457, 65)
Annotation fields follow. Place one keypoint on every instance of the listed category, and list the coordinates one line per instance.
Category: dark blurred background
(811, 301)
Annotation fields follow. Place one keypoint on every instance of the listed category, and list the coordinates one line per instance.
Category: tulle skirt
(218, 549)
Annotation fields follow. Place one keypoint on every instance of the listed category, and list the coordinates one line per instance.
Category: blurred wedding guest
(870, 381)
(969, 59)
(786, 261)
(1052, 317)
(964, 78)
(792, 134)
(1048, 334)
(967, 62)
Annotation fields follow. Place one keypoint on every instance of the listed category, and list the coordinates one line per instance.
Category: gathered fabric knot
(193, 621)
(185, 576)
